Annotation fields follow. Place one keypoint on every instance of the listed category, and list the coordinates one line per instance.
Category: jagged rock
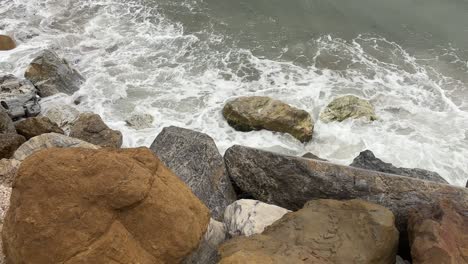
(18, 97)
(62, 115)
(90, 128)
(290, 182)
(207, 252)
(367, 160)
(140, 121)
(7, 43)
(194, 157)
(50, 140)
(6, 124)
(51, 75)
(8, 169)
(324, 231)
(249, 217)
(309, 155)
(35, 126)
(348, 106)
(439, 233)
(100, 206)
(9, 143)
(259, 112)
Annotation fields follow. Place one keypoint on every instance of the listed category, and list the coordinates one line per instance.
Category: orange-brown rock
(7, 43)
(100, 206)
(439, 234)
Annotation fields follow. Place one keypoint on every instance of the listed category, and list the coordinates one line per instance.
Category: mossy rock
(348, 106)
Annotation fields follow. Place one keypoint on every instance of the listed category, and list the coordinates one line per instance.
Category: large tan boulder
(348, 106)
(439, 233)
(7, 43)
(324, 231)
(259, 112)
(100, 206)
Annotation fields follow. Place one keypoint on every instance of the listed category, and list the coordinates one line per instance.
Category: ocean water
(180, 61)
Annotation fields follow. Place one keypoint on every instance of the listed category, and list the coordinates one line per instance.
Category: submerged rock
(367, 160)
(9, 143)
(249, 217)
(140, 121)
(348, 106)
(7, 43)
(194, 157)
(90, 128)
(18, 97)
(324, 231)
(259, 112)
(309, 155)
(35, 126)
(207, 252)
(439, 233)
(6, 124)
(108, 206)
(51, 75)
(50, 140)
(63, 115)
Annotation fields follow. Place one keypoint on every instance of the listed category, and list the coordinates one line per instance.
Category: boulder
(324, 231)
(140, 121)
(367, 160)
(50, 140)
(100, 206)
(194, 157)
(439, 233)
(35, 126)
(63, 115)
(207, 252)
(259, 112)
(290, 182)
(7, 43)
(6, 124)
(90, 128)
(309, 155)
(51, 75)
(18, 97)
(249, 217)
(8, 169)
(9, 143)
(348, 106)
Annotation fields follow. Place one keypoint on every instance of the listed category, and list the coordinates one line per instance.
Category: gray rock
(140, 121)
(8, 169)
(51, 75)
(62, 115)
(207, 252)
(194, 157)
(400, 260)
(50, 140)
(309, 155)
(90, 128)
(6, 124)
(35, 126)
(18, 97)
(367, 160)
(9, 143)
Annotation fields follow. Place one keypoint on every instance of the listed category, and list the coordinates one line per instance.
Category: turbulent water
(181, 61)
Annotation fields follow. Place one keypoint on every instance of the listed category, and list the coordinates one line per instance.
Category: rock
(250, 217)
(290, 182)
(62, 115)
(324, 231)
(400, 260)
(309, 155)
(7, 43)
(90, 128)
(207, 252)
(367, 160)
(5, 193)
(140, 121)
(50, 140)
(8, 169)
(18, 97)
(348, 106)
(100, 206)
(258, 112)
(51, 75)
(6, 124)
(9, 143)
(35, 126)
(439, 233)
(194, 157)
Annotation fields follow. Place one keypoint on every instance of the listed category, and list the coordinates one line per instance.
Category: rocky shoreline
(71, 194)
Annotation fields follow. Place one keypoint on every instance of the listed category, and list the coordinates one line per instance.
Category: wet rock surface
(18, 97)
(90, 128)
(348, 106)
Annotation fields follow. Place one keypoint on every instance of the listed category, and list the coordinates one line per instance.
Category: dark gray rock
(9, 143)
(35, 126)
(367, 160)
(309, 155)
(18, 97)
(290, 182)
(52, 74)
(6, 124)
(194, 157)
(90, 128)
